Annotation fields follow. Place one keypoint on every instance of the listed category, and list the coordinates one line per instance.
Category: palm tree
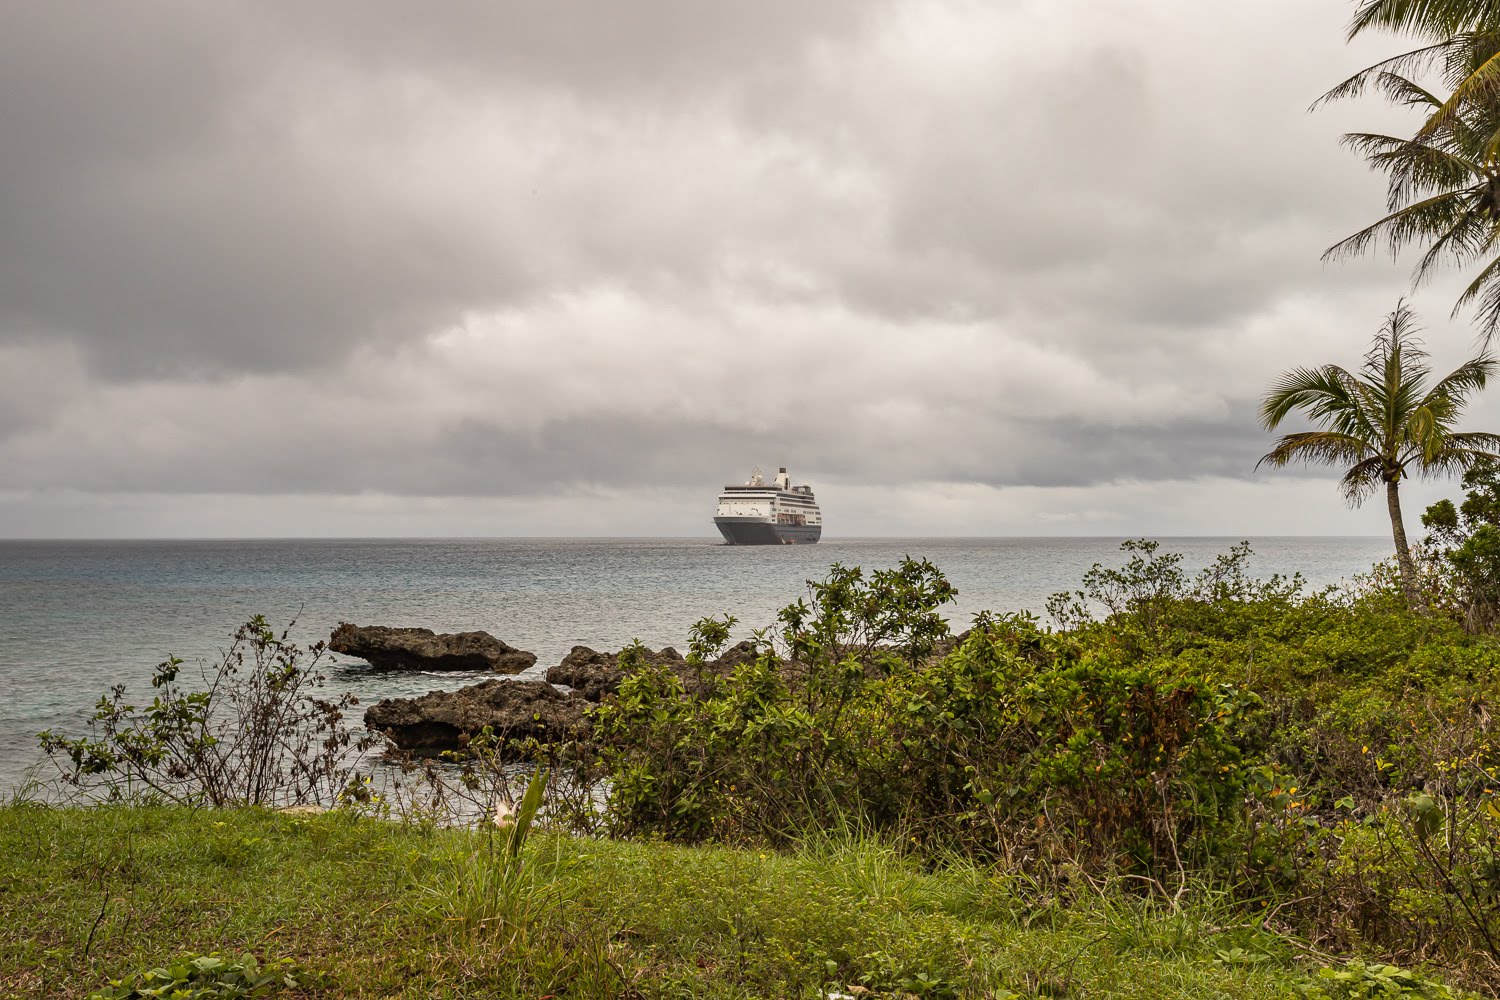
(1443, 182)
(1460, 36)
(1382, 424)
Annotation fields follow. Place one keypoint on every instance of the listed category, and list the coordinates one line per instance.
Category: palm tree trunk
(1403, 551)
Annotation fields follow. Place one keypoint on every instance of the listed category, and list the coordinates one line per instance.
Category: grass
(376, 909)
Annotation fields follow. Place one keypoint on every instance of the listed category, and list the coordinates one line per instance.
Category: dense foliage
(1327, 756)
(203, 977)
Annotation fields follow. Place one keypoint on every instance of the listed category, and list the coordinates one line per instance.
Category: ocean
(78, 617)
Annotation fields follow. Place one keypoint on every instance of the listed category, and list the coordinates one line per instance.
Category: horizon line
(637, 538)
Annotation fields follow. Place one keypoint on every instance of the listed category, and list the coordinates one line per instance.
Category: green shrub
(1360, 980)
(256, 731)
(1013, 742)
(204, 977)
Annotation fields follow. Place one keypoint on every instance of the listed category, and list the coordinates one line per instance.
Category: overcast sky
(490, 268)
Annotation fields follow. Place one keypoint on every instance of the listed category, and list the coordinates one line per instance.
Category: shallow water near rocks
(77, 617)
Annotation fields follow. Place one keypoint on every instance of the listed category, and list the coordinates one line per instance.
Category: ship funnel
(783, 481)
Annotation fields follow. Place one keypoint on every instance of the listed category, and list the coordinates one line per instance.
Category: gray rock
(447, 720)
(595, 675)
(422, 649)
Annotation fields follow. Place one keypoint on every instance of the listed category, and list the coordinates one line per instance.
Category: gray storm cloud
(507, 250)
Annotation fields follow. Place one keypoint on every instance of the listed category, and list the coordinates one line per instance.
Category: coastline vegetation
(1204, 785)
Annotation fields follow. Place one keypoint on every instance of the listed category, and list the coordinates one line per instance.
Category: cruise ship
(761, 513)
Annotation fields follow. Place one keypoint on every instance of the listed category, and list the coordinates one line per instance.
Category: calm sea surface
(79, 617)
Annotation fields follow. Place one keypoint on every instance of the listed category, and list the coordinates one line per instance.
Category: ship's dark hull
(747, 532)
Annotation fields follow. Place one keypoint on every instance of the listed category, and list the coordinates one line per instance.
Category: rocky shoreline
(548, 710)
(446, 720)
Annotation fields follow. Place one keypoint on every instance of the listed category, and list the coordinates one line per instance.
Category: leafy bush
(257, 732)
(892, 615)
(204, 977)
(788, 739)
(1012, 741)
(1095, 758)
(1360, 980)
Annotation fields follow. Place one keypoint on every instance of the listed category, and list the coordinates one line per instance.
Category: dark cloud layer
(178, 195)
(511, 250)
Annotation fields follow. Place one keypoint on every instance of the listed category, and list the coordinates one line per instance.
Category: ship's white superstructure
(761, 513)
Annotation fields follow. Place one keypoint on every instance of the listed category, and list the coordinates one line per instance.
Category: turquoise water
(79, 617)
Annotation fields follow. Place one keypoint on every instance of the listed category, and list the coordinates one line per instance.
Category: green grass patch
(365, 908)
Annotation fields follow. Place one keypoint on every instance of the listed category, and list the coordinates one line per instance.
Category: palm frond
(1453, 461)
(1479, 89)
(1486, 288)
(1415, 170)
(1406, 64)
(1401, 227)
(1401, 90)
(1442, 183)
(1431, 18)
(1467, 378)
(1465, 239)
(1326, 393)
(1478, 441)
(1490, 273)
(1315, 448)
(1362, 479)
